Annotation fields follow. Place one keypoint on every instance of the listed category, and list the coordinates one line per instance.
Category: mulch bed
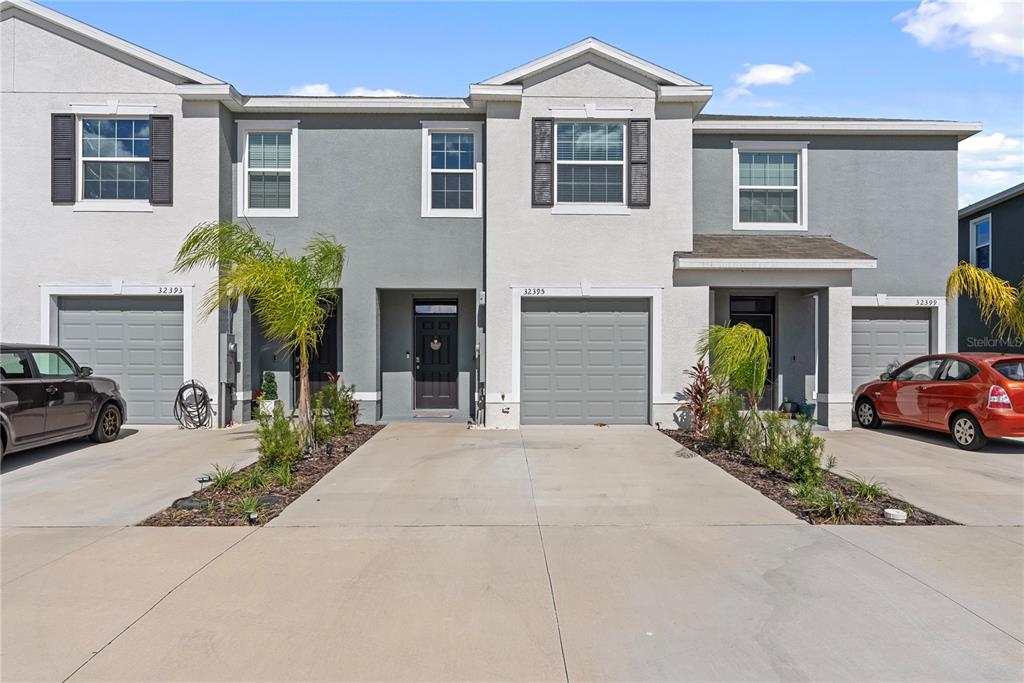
(216, 507)
(775, 485)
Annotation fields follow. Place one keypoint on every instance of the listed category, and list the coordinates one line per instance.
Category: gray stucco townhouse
(543, 250)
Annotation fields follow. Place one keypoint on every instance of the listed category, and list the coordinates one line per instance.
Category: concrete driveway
(983, 487)
(83, 484)
(440, 553)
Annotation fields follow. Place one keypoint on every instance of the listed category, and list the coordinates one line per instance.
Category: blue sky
(931, 59)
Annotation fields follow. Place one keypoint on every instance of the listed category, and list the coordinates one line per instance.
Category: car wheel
(967, 432)
(108, 425)
(866, 415)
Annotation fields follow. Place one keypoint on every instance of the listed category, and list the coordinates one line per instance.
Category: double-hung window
(770, 185)
(981, 242)
(115, 159)
(452, 169)
(268, 183)
(590, 162)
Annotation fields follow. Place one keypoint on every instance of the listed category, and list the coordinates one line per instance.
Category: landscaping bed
(222, 504)
(779, 487)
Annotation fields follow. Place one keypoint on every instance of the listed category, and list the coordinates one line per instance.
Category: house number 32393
(533, 291)
(168, 290)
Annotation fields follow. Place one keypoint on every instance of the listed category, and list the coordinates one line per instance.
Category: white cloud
(376, 92)
(771, 74)
(989, 163)
(312, 90)
(992, 29)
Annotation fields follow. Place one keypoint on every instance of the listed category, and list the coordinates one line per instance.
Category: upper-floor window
(452, 169)
(981, 242)
(590, 162)
(268, 182)
(770, 185)
(115, 158)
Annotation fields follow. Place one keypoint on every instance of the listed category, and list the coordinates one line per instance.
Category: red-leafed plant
(698, 394)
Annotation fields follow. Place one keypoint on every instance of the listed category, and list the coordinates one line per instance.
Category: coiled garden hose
(192, 407)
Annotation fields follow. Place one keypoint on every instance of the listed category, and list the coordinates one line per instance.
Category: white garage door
(584, 361)
(137, 341)
(884, 335)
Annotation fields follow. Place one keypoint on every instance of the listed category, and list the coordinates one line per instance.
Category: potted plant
(789, 407)
(268, 393)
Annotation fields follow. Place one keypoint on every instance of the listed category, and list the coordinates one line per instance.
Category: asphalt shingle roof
(770, 247)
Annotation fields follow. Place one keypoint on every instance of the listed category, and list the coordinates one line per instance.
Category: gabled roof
(989, 202)
(130, 50)
(596, 47)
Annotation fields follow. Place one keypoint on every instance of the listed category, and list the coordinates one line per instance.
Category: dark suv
(45, 396)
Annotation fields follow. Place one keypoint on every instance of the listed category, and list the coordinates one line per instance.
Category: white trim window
(452, 170)
(981, 242)
(590, 163)
(769, 185)
(113, 157)
(268, 184)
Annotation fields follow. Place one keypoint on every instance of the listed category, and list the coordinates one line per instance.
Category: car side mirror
(885, 377)
(85, 371)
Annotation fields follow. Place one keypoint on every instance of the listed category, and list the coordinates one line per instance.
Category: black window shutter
(543, 162)
(62, 162)
(639, 162)
(161, 148)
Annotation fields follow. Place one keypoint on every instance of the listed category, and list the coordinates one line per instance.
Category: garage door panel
(137, 341)
(595, 354)
(881, 336)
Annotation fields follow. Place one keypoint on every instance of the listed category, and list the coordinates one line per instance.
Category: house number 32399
(927, 302)
(533, 291)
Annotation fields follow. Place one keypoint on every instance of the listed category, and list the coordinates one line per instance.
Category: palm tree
(738, 357)
(291, 297)
(999, 302)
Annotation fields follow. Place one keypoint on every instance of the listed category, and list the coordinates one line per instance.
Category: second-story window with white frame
(452, 169)
(115, 158)
(981, 242)
(268, 168)
(769, 185)
(590, 162)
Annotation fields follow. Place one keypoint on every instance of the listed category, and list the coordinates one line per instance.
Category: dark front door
(324, 358)
(436, 371)
(759, 313)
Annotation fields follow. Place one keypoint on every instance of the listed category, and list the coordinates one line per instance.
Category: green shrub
(253, 480)
(335, 412)
(246, 504)
(727, 426)
(869, 489)
(769, 437)
(222, 477)
(801, 454)
(269, 386)
(282, 474)
(278, 440)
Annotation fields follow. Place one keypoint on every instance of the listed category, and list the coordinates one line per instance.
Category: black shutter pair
(63, 163)
(639, 162)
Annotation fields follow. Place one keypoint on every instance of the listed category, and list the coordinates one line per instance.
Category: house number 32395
(168, 290)
(533, 291)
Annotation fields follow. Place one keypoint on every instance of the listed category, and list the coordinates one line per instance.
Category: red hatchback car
(972, 396)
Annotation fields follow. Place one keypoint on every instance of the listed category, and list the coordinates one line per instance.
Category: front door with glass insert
(759, 313)
(435, 370)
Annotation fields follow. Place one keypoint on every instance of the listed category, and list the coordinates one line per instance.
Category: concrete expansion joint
(544, 554)
(155, 604)
(927, 585)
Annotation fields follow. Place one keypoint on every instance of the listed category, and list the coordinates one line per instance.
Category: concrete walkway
(437, 553)
(983, 487)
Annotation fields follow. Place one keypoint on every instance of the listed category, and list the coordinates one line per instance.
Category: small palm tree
(738, 357)
(291, 297)
(999, 302)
